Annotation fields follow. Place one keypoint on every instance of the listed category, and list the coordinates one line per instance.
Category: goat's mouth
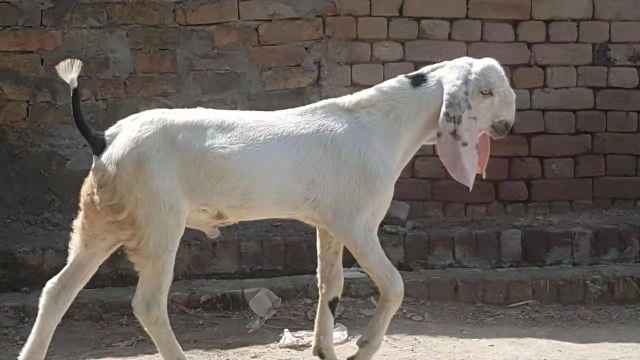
(501, 128)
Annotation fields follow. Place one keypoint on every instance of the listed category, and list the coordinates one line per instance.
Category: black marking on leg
(320, 354)
(362, 342)
(352, 357)
(454, 134)
(417, 79)
(333, 304)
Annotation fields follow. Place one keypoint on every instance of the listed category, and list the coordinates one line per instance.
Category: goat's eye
(486, 92)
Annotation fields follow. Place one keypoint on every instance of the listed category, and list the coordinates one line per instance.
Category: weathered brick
(590, 165)
(528, 77)
(154, 37)
(29, 40)
(284, 31)
(500, 9)
(538, 208)
(519, 290)
(487, 248)
(367, 74)
(387, 51)
(104, 88)
(440, 249)
(20, 13)
(559, 122)
(435, 29)
(515, 209)
(197, 13)
(570, 291)
(563, 99)
(426, 209)
(277, 55)
(442, 290)
(372, 28)
(608, 143)
(151, 85)
(349, 51)
(23, 64)
(398, 68)
(560, 145)
(354, 7)
(525, 168)
(562, 54)
(618, 99)
(435, 8)
(403, 29)
(413, 189)
(511, 246)
(234, 35)
(532, 31)
(497, 169)
(528, 122)
(148, 12)
(386, 7)
(623, 77)
(618, 54)
(621, 165)
(429, 167)
(563, 31)
(626, 31)
(476, 211)
(434, 50)
(619, 121)
(562, 9)
(592, 76)
(281, 9)
(466, 30)
(512, 191)
(631, 244)
(341, 27)
(499, 32)
(581, 244)
(534, 246)
(450, 190)
(512, 145)
(591, 121)
(289, 78)
(617, 10)
(561, 76)
(565, 189)
(158, 62)
(505, 53)
(558, 168)
(523, 99)
(13, 114)
(469, 291)
(594, 31)
(494, 292)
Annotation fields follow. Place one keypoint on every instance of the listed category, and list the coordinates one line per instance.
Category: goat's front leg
(365, 247)
(330, 281)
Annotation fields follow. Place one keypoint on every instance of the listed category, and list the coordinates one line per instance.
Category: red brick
(617, 10)
(385, 7)
(592, 76)
(435, 8)
(413, 189)
(623, 77)
(591, 121)
(497, 169)
(590, 165)
(284, 31)
(617, 187)
(554, 9)
(563, 99)
(234, 35)
(560, 145)
(528, 122)
(404, 29)
(563, 31)
(566, 189)
(559, 122)
(387, 51)
(594, 31)
(435, 29)
(207, 13)
(466, 30)
(532, 31)
(372, 28)
(608, 143)
(512, 145)
(277, 55)
(500, 32)
(29, 40)
(512, 191)
(621, 165)
(500, 9)
(558, 168)
(618, 121)
(450, 190)
(394, 69)
(434, 50)
(525, 168)
(341, 27)
(528, 77)
(159, 62)
(280, 9)
(429, 167)
(506, 54)
(562, 54)
(367, 74)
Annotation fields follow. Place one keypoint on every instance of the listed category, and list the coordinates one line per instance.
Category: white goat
(332, 164)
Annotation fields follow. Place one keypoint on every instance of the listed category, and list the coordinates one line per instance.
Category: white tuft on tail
(68, 70)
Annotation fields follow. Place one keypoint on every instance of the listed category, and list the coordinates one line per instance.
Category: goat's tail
(69, 70)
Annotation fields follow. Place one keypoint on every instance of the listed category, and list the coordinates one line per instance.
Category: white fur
(332, 164)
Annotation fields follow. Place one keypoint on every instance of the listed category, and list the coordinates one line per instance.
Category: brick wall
(573, 62)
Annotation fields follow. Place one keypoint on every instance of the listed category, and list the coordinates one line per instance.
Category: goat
(331, 164)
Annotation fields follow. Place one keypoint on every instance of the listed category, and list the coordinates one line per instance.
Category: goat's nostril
(501, 127)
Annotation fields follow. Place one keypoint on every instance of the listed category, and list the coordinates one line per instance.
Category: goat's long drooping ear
(462, 149)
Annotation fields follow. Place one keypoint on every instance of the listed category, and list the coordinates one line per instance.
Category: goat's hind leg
(330, 282)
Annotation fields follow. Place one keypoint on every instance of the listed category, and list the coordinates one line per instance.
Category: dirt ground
(420, 331)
